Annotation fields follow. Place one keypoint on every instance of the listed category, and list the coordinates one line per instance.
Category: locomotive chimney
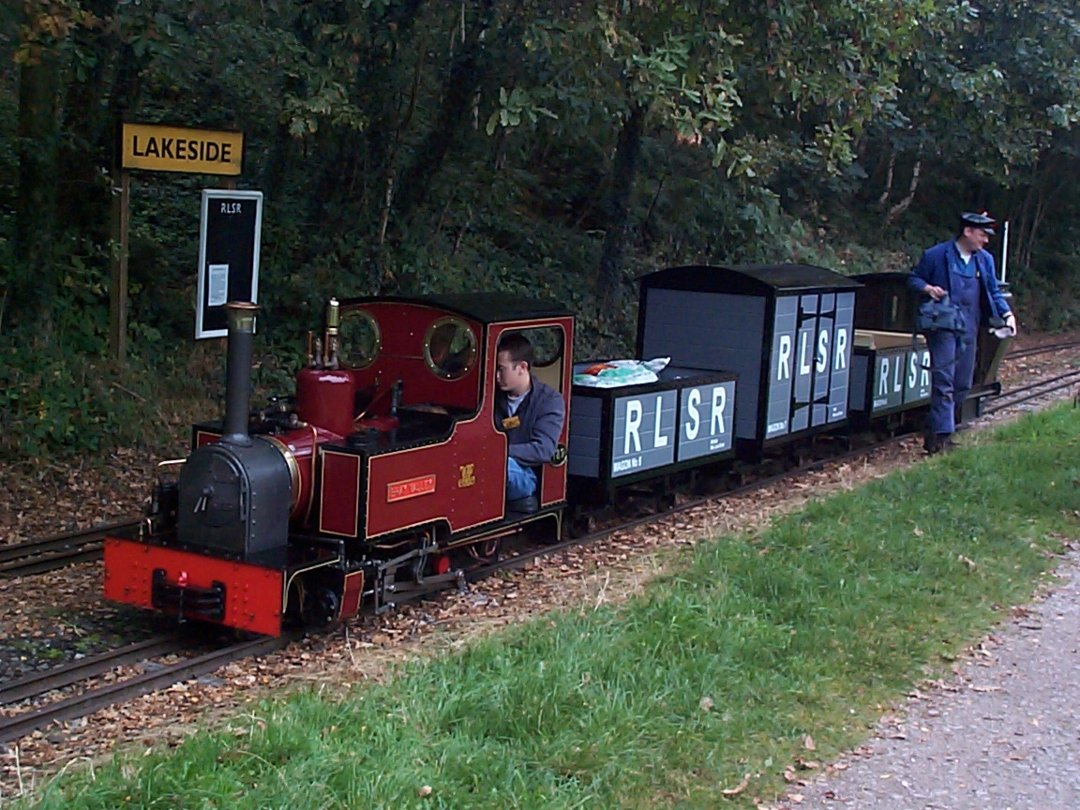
(241, 315)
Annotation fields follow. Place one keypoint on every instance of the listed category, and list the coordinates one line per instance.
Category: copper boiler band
(314, 455)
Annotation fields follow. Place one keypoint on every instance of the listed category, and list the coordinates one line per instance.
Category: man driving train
(531, 415)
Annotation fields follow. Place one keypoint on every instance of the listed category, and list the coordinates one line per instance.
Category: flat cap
(983, 221)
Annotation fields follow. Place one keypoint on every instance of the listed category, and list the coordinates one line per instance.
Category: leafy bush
(60, 403)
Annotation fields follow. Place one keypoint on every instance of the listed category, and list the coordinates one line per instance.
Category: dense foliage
(556, 148)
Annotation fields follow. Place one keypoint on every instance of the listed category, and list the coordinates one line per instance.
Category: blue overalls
(952, 354)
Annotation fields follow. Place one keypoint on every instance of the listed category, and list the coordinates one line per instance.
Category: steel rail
(13, 728)
(58, 551)
(41, 683)
(14, 551)
(1047, 349)
(1039, 388)
(51, 562)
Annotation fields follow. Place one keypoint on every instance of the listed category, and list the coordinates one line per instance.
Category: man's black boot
(931, 443)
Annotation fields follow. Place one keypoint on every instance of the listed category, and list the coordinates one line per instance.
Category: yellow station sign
(178, 149)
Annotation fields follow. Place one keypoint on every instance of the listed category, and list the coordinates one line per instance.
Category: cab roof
(483, 307)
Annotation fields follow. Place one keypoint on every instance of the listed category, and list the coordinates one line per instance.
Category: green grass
(808, 628)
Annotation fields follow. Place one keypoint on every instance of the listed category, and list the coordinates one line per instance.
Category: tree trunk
(909, 198)
(32, 279)
(616, 208)
(887, 192)
(467, 69)
(89, 130)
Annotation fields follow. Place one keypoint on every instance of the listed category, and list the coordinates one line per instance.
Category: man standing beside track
(963, 270)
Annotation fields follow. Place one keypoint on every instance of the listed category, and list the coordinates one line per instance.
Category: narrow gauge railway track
(61, 550)
(100, 697)
(58, 551)
(1047, 349)
(41, 683)
(1033, 390)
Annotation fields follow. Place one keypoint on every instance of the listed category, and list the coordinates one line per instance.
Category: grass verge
(721, 670)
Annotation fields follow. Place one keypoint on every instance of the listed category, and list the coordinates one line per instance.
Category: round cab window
(358, 339)
(547, 343)
(450, 348)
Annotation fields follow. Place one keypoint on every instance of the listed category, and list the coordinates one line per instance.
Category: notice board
(230, 230)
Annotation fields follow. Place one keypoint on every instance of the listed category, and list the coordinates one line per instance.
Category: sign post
(118, 287)
(230, 230)
(158, 148)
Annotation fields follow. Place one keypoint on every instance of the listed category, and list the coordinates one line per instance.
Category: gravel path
(1004, 733)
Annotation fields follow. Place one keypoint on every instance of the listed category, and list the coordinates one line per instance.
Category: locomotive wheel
(312, 603)
(321, 606)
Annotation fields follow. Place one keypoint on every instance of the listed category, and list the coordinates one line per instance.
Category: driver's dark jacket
(933, 268)
(540, 416)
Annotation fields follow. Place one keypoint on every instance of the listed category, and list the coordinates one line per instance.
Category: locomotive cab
(423, 452)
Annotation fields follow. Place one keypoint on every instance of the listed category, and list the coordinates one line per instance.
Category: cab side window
(450, 348)
(548, 344)
(359, 339)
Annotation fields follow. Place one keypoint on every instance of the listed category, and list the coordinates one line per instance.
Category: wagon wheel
(665, 501)
(579, 523)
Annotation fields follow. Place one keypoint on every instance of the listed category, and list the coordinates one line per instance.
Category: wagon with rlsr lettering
(784, 330)
(885, 304)
(651, 436)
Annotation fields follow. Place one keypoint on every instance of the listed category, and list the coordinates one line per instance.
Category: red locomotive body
(381, 480)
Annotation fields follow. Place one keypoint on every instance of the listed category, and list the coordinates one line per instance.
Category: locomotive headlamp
(241, 315)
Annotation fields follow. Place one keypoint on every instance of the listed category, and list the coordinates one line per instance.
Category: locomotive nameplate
(410, 488)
